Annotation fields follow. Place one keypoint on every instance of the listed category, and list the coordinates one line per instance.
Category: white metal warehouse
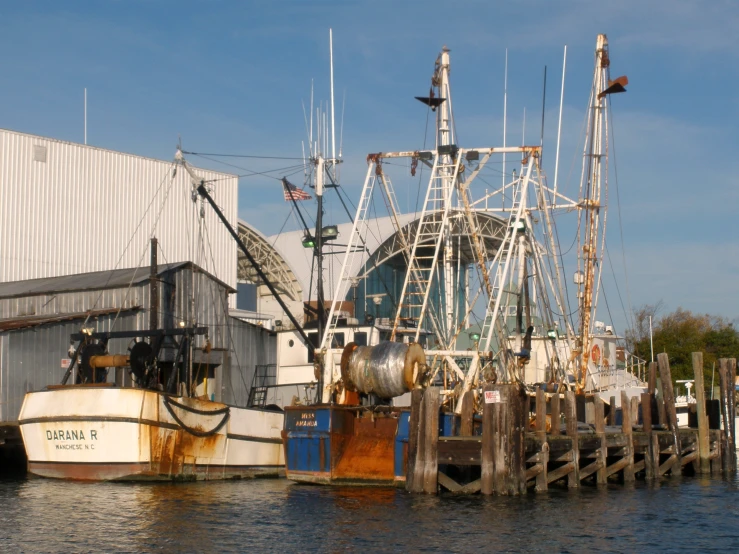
(68, 208)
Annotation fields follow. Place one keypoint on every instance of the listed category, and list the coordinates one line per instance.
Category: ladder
(265, 376)
(359, 229)
(503, 256)
(414, 295)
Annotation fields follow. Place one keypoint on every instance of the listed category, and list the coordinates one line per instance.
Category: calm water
(49, 516)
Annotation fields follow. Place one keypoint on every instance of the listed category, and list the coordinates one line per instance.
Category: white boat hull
(110, 433)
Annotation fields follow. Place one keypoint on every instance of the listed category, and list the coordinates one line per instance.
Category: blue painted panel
(401, 440)
(308, 430)
(447, 425)
(308, 420)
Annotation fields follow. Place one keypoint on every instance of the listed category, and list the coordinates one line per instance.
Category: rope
(168, 403)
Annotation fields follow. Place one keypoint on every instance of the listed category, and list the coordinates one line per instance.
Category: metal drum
(386, 370)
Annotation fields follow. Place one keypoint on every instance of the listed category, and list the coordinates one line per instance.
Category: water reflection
(50, 516)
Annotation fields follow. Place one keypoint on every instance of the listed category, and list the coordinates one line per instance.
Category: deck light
(329, 232)
(308, 242)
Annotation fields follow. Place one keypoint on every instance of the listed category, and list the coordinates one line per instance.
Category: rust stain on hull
(368, 453)
(179, 454)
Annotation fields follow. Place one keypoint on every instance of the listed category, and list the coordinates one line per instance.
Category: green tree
(681, 333)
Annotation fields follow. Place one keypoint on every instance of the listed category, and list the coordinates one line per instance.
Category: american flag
(293, 193)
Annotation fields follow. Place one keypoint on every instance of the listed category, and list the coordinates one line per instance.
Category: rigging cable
(630, 312)
(228, 327)
(143, 254)
(135, 232)
(202, 155)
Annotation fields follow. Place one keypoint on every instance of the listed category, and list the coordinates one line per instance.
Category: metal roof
(97, 280)
(381, 242)
(273, 264)
(16, 323)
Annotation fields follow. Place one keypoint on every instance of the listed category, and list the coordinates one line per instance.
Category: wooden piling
(431, 401)
(413, 481)
(467, 414)
(487, 483)
(555, 414)
(646, 412)
(503, 453)
(635, 411)
(732, 412)
(541, 434)
(541, 414)
(669, 403)
(612, 413)
(704, 451)
(628, 431)
(652, 383)
(728, 448)
(573, 478)
(661, 413)
(601, 476)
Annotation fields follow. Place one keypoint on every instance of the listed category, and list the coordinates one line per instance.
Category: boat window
(338, 341)
(360, 338)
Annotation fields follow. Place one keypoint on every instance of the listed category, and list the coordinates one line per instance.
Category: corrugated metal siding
(77, 211)
(251, 346)
(31, 359)
(201, 303)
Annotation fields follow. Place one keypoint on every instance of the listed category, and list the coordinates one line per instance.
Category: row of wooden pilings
(521, 444)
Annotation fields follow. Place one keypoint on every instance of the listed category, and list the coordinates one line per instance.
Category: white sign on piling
(492, 397)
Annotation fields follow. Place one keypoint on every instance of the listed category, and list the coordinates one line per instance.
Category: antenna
(341, 132)
(305, 167)
(543, 108)
(523, 132)
(310, 145)
(85, 117)
(333, 126)
(505, 108)
(559, 126)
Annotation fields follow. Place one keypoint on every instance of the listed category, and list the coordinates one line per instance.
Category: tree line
(681, 333)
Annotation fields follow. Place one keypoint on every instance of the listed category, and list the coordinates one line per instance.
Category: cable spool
(386, 370)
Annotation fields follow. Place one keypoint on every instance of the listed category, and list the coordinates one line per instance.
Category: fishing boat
(163, 423)
(470, 250)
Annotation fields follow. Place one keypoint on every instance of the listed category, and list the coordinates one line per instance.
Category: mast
(444, 142)
(319, 243)
(154, 287)
(594, 160)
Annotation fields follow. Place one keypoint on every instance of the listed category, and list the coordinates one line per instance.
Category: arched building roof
(273, 263)
(383, 244)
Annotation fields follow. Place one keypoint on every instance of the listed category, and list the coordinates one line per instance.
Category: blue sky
(229, 77)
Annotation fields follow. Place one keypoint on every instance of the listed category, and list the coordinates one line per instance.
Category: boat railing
(632, 374)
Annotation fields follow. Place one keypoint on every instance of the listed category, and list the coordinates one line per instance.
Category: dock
(531, 442)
